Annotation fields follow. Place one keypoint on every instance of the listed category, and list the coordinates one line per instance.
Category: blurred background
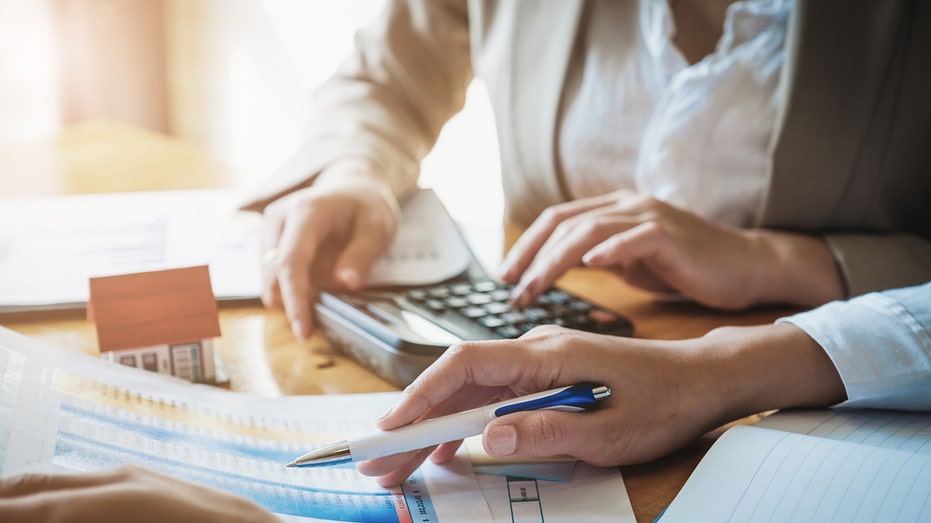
(232, 77)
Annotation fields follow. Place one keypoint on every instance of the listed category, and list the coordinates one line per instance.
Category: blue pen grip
(576, 397)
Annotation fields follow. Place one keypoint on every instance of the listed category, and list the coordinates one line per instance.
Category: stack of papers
(65, 412)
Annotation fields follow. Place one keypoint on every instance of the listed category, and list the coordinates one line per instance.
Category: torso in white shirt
(640, 117)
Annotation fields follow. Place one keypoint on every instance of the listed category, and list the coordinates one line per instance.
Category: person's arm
(664, 393)
(659, 247)
(880, 344)
(126, 493)
(387, 103)
(331, 211)
(667, 393)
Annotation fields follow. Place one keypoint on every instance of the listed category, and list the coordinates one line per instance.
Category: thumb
(537, 434)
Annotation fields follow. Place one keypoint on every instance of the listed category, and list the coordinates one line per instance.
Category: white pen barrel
(420, 435)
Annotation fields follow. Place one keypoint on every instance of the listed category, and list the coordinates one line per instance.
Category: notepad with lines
(814, 465)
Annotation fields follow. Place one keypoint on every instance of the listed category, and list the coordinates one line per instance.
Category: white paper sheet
(841, 466)
(428, 247)
(64, 411)
(51, 246)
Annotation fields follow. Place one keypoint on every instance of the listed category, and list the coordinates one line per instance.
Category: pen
(461, 425)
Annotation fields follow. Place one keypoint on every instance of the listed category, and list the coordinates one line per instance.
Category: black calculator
(398, 332)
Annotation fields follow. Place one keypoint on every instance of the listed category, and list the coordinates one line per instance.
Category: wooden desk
(260, 353)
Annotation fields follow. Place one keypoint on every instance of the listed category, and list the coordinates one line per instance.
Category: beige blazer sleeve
(388, 102)
(850, 157)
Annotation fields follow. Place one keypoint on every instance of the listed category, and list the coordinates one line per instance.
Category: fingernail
(517, 294)
(501, 440)
(504, 271)
(350, 278)
(300, 330)
(385, 414)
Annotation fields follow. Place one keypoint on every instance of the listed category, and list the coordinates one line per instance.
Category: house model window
(163, 321)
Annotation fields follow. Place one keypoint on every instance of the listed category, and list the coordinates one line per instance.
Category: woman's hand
(651, 411)
(664, 393)
(126, 493)
(327, 235)
(659, 247)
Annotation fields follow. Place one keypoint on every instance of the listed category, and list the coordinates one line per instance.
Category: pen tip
(292, 464)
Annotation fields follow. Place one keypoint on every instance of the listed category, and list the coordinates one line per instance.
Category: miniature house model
(163, 321)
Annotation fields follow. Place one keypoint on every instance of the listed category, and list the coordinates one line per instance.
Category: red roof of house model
(153, 308)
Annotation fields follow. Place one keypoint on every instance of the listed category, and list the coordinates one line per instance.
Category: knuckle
(649, 202)
(275, 209)
(126, 471)
(24, 483)
(555, 214)
(462, 352)
(654, 227)
(546, 437)
(589, 228)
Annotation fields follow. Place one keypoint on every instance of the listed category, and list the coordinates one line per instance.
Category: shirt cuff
(880, 344)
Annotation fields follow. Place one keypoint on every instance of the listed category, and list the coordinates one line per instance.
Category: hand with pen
(664, 394)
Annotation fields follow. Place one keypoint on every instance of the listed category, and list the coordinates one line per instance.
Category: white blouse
(695, 135)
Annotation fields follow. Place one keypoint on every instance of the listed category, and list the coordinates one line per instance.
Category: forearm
(796, 269)
(389, 101)
(755, 369)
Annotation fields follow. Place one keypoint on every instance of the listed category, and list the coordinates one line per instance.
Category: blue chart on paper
(92, 436)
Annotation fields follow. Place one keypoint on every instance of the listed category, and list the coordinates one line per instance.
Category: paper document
(65, 412)
(820, 465)
(428, 247)
(51, 246)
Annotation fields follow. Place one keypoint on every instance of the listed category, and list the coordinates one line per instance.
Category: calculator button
(509, 331)
(513, 317)
(417, 295)
(492, 322)
(456, 302)
(484, 286)
(554, 296)
(536, 314)
(498, 308)
(477, 298)
(559, 311)
(579, 305)
(473, 312)
(436, 305)
(460, 289)
(438, 292)
(500, 294)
